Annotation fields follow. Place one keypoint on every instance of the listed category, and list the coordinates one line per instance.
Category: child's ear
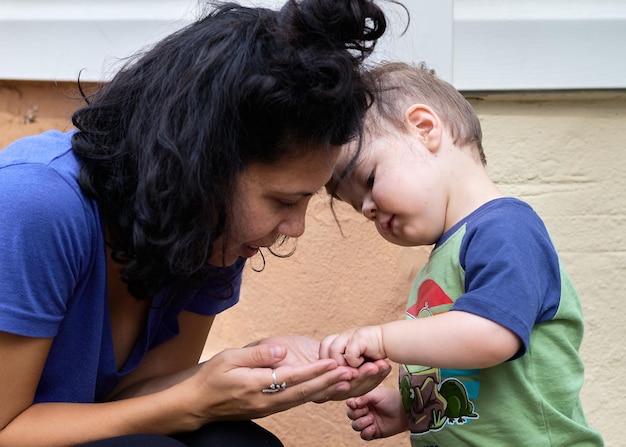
(423, 122)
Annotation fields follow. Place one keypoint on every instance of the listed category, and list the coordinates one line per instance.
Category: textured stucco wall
(567, 157)
(564, 155)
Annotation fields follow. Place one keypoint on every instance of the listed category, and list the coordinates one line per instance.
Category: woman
(121, 241)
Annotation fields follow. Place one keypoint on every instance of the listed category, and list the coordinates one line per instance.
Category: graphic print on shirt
(430, 402)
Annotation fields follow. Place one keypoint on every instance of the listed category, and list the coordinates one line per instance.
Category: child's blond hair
(398, 85)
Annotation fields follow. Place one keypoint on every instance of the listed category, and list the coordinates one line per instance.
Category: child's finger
(337, 348)
(369, 433)
(325, 346)
(351, 403)
(362, 423)
(355, 414)
(356, 402)
(353, 354)
(353, 361)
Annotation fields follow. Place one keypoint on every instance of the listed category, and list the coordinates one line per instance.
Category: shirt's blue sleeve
(512, 272)
(43, 244)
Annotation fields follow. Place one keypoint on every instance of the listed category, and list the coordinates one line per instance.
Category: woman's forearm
(65, 424)
(152, 385)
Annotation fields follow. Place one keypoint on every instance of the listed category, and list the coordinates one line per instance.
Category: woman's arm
(170, 362)
(21, 362)
(165, 399)
(49, 424)
(24, 424)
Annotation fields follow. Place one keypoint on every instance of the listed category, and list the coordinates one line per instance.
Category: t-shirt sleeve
(219, 293)
(512, 273)
(44, 241)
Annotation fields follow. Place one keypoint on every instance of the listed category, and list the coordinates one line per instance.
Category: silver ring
(275, 386)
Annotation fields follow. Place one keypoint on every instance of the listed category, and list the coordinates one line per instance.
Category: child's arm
(453, 339)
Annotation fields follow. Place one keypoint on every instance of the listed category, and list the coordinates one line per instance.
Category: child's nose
(368, 208)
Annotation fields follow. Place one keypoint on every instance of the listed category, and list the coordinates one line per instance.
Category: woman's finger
(318, 386)
(259, 355)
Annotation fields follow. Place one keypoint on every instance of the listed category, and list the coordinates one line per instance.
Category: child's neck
(470, 187)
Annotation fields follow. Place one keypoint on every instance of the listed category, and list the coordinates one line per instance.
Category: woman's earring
(262, 267)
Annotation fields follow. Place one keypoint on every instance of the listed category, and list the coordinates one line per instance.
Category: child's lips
(387, 225)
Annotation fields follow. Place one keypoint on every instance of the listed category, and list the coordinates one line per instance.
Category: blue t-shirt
(53, 274)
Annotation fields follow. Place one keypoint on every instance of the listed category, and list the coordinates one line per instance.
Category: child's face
(398, 184)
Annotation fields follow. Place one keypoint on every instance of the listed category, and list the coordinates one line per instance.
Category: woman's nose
(293, 226)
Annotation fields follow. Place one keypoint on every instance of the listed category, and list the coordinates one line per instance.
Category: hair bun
(346, 24)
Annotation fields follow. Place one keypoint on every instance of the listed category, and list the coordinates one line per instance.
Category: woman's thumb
(263, 355)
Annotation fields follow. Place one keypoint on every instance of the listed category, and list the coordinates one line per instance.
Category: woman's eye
(287, 205)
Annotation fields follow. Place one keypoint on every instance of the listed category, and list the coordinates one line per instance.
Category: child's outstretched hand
(355, 346)
(378, 414)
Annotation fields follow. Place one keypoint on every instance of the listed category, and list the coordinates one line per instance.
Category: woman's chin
(248, 251)
(223, 261)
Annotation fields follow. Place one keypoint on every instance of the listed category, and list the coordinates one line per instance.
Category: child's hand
(355, 346)
(369, 376)
(378, 414)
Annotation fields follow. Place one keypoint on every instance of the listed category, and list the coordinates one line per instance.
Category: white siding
(55, 40)
(539, 44)
(478, 45)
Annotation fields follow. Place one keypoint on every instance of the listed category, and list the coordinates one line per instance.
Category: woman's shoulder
(40, 195)
(42, 171)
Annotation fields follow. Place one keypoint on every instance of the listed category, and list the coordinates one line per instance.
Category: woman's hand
(306, 350)
(299, 349)
(229, 385)
(370, 375)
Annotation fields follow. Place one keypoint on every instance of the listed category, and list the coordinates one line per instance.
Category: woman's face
(271, 200)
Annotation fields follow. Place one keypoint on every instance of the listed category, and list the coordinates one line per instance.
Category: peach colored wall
(563, 154)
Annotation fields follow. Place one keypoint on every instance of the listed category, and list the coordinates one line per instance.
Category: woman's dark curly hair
(162, 143)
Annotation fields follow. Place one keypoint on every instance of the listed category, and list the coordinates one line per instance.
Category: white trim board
(477, 45)
(539, 54)
(58, 39)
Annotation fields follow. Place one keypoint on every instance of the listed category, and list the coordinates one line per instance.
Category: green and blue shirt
(500, 263)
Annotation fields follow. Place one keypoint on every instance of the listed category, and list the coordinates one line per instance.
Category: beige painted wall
(564, 155)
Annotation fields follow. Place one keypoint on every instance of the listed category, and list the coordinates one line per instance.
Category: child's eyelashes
(370, 180)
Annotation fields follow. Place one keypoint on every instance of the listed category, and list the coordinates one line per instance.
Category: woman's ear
(424, 123)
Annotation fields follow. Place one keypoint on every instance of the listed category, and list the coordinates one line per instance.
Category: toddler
(489, 348)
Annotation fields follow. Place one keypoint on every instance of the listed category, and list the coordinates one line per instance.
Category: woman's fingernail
(277, 351)
(343, 387)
